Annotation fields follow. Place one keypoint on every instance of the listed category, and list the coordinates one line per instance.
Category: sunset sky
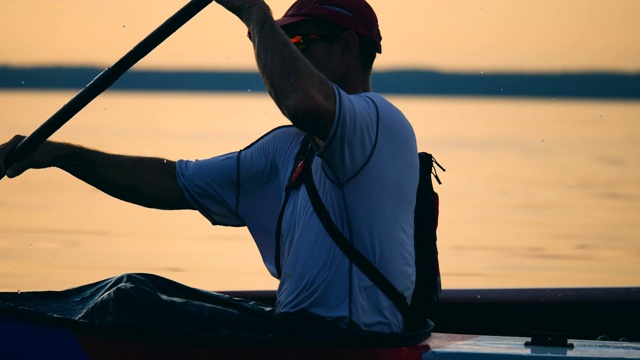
(451, 35)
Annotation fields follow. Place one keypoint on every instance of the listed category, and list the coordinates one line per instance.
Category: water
(537, 193)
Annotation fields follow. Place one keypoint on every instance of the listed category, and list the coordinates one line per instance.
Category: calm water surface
(537, 193)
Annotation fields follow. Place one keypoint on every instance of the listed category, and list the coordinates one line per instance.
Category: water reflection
(536, 193)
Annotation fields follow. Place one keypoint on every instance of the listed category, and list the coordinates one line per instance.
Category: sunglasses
(303, 40)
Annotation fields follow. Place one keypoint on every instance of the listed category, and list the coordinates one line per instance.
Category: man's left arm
(303, 94)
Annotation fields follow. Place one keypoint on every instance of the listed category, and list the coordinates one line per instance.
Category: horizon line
(409, 81)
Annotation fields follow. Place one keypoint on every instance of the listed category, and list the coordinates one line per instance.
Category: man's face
(317, 43)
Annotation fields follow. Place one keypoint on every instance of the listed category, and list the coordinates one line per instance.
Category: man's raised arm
(303, 94)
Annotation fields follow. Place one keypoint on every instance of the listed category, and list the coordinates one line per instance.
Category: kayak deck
(462, 347)
(20, 339)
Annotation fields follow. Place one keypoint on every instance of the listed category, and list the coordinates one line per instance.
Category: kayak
(22, 339)
(589, 323)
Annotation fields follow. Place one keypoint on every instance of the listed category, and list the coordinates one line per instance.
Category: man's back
(368, 184)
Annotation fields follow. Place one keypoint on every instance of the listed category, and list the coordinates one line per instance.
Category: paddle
(103, 81)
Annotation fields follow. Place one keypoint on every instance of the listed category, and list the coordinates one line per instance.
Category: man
(316, 65)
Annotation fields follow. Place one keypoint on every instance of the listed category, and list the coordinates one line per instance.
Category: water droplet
(601, 117)
(481, 72)
(22, 82)
(249, 90)
(165, 161)
(569, 187)
(30, 246)
(124, 27)
(18, 291)
(481, 8)
(106, 109)
(542, 141)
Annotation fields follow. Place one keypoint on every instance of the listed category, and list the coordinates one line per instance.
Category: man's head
(337, 16)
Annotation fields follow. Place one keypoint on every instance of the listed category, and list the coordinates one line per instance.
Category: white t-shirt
(366, 173)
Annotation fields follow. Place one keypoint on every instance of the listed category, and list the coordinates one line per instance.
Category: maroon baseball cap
(354, 15)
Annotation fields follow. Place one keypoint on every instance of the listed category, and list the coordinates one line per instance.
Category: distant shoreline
(578, 85)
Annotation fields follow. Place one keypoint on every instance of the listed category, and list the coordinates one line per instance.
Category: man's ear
(348, 47)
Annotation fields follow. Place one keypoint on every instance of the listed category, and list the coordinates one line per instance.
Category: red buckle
(297, 172)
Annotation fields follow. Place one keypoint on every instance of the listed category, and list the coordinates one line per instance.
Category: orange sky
(463, 35)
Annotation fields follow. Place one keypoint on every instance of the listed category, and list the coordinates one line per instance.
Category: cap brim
(290, 20)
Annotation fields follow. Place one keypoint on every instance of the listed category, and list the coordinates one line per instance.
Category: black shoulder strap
(370, 271)
(295, 181)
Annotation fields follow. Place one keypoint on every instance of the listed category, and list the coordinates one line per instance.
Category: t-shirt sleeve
(244, 188)
(352, 138)
(210, 186)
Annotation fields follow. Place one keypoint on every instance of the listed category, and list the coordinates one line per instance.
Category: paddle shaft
(103, 81)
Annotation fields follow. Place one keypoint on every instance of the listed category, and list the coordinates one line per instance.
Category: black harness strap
(295, 180)
(301, 173)
(367, 268)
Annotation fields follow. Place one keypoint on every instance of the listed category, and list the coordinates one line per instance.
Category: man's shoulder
(379, 100)
(280, 133)
(373, 102)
